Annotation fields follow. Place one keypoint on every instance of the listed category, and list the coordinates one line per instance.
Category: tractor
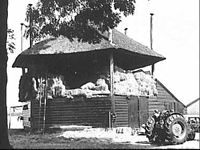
(168, 126)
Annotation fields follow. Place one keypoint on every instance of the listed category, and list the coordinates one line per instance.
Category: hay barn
(79, 63)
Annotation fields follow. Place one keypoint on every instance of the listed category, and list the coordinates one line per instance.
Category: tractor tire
(176, 129)
(149, 127)
(191, 135)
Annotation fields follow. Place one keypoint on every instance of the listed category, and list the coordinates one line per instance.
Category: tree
(4, 141)
(82, 19)
(10, 44)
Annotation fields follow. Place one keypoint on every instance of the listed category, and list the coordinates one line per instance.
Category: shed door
(143, 110)
(133, 112)
(137, 111)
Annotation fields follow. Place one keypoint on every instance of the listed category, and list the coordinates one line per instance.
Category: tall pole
(111, 77)
(112, 87)
(30, 24)
(21, 36)
(151, 29)
(151, 39)
(23, 69)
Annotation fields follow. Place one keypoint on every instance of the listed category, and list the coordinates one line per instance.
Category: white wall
(193, 109)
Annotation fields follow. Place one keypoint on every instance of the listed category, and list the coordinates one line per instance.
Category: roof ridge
(168, 91)
(192, 102)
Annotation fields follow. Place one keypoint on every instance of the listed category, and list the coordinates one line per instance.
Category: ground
(88, 139)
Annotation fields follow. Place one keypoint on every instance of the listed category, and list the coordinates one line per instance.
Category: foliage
(82, 19)
(10, 45)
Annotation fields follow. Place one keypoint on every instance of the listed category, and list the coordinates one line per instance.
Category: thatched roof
(128, 52)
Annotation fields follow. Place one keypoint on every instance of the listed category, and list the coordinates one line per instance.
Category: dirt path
(88, 139)
(135, 140)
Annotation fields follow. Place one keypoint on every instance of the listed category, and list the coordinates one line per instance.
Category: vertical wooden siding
(121, 110)
(137, 111)
(131, 111)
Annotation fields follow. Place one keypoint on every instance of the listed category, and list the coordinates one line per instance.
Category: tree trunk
(4, 141)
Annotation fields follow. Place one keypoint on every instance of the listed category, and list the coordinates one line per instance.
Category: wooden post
(23, 71)
(109, 120)
(111, 73)
(112, 82)
(138, 102)
(45, 102)
(9, 125)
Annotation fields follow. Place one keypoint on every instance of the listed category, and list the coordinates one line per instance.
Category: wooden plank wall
(121, 110)
(164, 100)
(95, 111)
(78, 111)
(155, 103)
(35, 122)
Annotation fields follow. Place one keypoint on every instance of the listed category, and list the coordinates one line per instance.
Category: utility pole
(21, 36)
(30, 24)
(22, 24)
(151, 39)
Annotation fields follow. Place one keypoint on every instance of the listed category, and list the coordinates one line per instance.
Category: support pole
(9, 125)
(45, 102)
(151, 39)
(111, 74)
(109, 119)
(112, 83)
(40, 102)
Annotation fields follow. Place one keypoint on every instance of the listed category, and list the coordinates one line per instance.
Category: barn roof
(127, 50)
(194, 101)
(169, 92)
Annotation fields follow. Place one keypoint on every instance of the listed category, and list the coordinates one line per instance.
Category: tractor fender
(174, 113)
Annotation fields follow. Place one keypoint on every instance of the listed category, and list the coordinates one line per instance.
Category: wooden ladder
(42, 105)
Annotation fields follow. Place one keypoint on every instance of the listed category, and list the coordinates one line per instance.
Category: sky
(175, 36)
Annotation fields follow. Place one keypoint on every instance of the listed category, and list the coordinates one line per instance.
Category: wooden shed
(81, 61)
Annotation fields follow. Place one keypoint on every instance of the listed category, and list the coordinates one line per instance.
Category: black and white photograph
(99, 74)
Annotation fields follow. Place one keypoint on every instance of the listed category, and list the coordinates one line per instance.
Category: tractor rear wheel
(149, 129)
(176, 129)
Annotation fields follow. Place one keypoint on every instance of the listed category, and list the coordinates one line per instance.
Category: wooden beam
(112, 85)
(111, 73)
(23, 71)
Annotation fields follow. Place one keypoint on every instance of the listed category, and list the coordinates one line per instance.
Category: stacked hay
(125, 84)
(139, 84)
(147, 85)
(90, 89)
